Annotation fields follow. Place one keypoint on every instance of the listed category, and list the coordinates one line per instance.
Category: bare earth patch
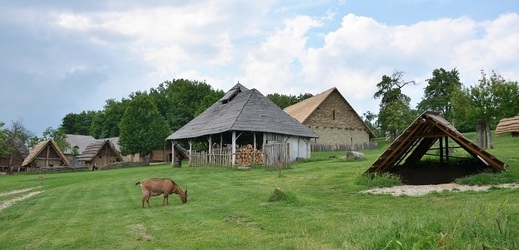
(419, 190)
(12, 201)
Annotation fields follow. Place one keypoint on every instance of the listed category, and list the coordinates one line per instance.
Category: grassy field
(230, 209)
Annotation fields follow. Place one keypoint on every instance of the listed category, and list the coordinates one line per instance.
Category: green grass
(320, 207)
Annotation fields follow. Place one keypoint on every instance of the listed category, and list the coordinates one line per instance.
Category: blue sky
(60, 57)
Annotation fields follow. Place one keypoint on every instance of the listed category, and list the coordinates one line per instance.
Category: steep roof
(93, 149)
(508, 125)
(242, 109)
(40, 147)
(80, 141)
(304, 109)
(418, 138)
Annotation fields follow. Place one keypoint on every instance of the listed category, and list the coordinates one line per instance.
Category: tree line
(474, 108)
(145, 118)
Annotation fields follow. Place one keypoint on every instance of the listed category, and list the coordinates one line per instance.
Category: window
(333, 114)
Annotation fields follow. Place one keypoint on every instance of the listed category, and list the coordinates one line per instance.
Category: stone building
(331, 117)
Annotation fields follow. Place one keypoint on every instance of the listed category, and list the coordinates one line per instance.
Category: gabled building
(46, 154)
(333, 119)
(242, 117)
(101, 152)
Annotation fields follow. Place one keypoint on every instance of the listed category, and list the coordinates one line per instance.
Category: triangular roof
(79, 141)
(40, 147)
(305, 108)
(508, 125)
(242, 109)
(93, 149)
(418, 138)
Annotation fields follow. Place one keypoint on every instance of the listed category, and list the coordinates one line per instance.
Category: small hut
(432, 135)
(45, 154)
(508, 125)
(101, 152)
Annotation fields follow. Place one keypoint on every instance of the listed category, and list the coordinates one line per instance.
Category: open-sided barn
(244, 117)
(334, 120)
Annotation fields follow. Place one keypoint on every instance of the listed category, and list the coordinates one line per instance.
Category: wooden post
(447, 148)
(190, 150)
(210, 141)
(233, 162)
(441, 150)
(172, 153)
(254, 149)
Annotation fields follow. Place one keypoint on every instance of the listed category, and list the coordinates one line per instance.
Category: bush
(279, 195)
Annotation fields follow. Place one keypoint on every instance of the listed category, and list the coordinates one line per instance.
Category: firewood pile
(246, 154)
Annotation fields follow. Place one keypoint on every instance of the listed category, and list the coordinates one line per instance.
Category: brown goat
(158, 186)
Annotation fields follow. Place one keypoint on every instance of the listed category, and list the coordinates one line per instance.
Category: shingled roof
(242, 109)
(40, 147)
(94, 147)
(418, 138)
(304, 109)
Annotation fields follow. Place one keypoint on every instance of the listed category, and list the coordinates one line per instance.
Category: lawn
(230, 209)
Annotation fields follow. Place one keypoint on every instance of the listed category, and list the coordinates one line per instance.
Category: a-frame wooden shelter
(429, 128)
(45, 154)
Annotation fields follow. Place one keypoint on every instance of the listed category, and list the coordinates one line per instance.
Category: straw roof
(40, 147)
(508, 125)
(242, 109)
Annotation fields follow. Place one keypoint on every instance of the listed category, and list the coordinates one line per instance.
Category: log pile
(508, 125)
(246, 155)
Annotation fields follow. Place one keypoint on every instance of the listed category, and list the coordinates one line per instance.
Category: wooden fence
(343, 147)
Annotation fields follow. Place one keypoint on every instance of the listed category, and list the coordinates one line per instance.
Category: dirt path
(12, 201)
(419, 190)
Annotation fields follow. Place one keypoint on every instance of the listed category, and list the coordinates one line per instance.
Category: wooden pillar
(172, 153)
(210, 141)
(233, 162)
(221, 143)
(190, 150)
(254, 149)
(441, 150)
(447, 149)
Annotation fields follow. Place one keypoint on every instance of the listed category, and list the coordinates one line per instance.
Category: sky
(65, 56)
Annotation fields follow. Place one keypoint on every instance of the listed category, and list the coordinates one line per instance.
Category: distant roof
(417, 139)
(80, 141)
(508, 125)
(303, 109)
(242, 110)
(39, 147)
(93, 149)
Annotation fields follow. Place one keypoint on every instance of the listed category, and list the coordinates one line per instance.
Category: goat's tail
(138, 183)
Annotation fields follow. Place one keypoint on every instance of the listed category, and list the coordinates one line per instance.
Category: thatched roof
(304, 109)
(40, 147)
(506, 125)
(418, 138)
(242, 109)
(92, 150)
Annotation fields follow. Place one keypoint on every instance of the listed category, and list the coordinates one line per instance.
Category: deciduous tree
(438, 92)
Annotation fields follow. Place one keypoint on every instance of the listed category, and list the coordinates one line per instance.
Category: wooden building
(242, 117)
(333, 119)
(102, 152)
(45, 154)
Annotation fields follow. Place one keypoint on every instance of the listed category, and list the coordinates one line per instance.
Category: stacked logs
(245, 155)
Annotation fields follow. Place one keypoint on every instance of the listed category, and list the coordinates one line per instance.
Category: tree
(485, 104)
(4, 149)
(78, 124)
(284, 101)
(395, 114)
(142, 127)
(438, 92)
(370, 119)
(14, 141)
(105, 123)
